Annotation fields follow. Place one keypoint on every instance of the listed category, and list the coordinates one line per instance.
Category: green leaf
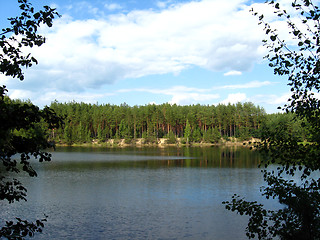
(36, 15)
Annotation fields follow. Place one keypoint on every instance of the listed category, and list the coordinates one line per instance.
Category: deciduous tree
(20, 132)
(300, 216)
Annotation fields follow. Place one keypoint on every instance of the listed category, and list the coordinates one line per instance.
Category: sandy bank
(160, 142)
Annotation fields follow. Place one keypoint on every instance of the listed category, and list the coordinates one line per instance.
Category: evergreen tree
(171, 138)
(100, 135)
(212, 135)
(187, 132)
(68, 134)
(196, 135)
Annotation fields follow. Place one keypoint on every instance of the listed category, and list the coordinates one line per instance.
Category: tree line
(194, 123)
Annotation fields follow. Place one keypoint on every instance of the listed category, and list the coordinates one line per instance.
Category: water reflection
(140, 193)
(195, 157)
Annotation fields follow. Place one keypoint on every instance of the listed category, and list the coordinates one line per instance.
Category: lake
(140, 193)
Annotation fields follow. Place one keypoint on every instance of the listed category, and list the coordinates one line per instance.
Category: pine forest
(84, 123)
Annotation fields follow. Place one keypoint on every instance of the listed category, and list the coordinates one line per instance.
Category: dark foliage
(21, 132)
(300, 216)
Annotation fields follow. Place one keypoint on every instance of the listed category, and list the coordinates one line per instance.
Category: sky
(151, 52)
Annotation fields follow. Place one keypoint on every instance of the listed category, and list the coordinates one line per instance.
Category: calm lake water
(140, 193)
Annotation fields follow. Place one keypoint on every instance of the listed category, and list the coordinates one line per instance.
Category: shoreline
(161, 142)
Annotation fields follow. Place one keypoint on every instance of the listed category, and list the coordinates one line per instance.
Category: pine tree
(187, 132)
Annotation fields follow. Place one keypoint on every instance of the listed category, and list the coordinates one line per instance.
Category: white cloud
(180, 95)
(252, 84)
(280, 99)
(316, 95)
(192, 98)
(234, 98)
(272, 99)
(183, 95)
(167, 91)
(80, 6)
(112, 6)
(86, 54)
(233, 73)
(211, 34)
(45, 97)
(20, 94)
(161, 4)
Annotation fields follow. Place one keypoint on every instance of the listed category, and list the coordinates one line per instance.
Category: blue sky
(141, 52)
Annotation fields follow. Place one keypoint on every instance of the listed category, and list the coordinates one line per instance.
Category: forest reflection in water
(151, 157)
